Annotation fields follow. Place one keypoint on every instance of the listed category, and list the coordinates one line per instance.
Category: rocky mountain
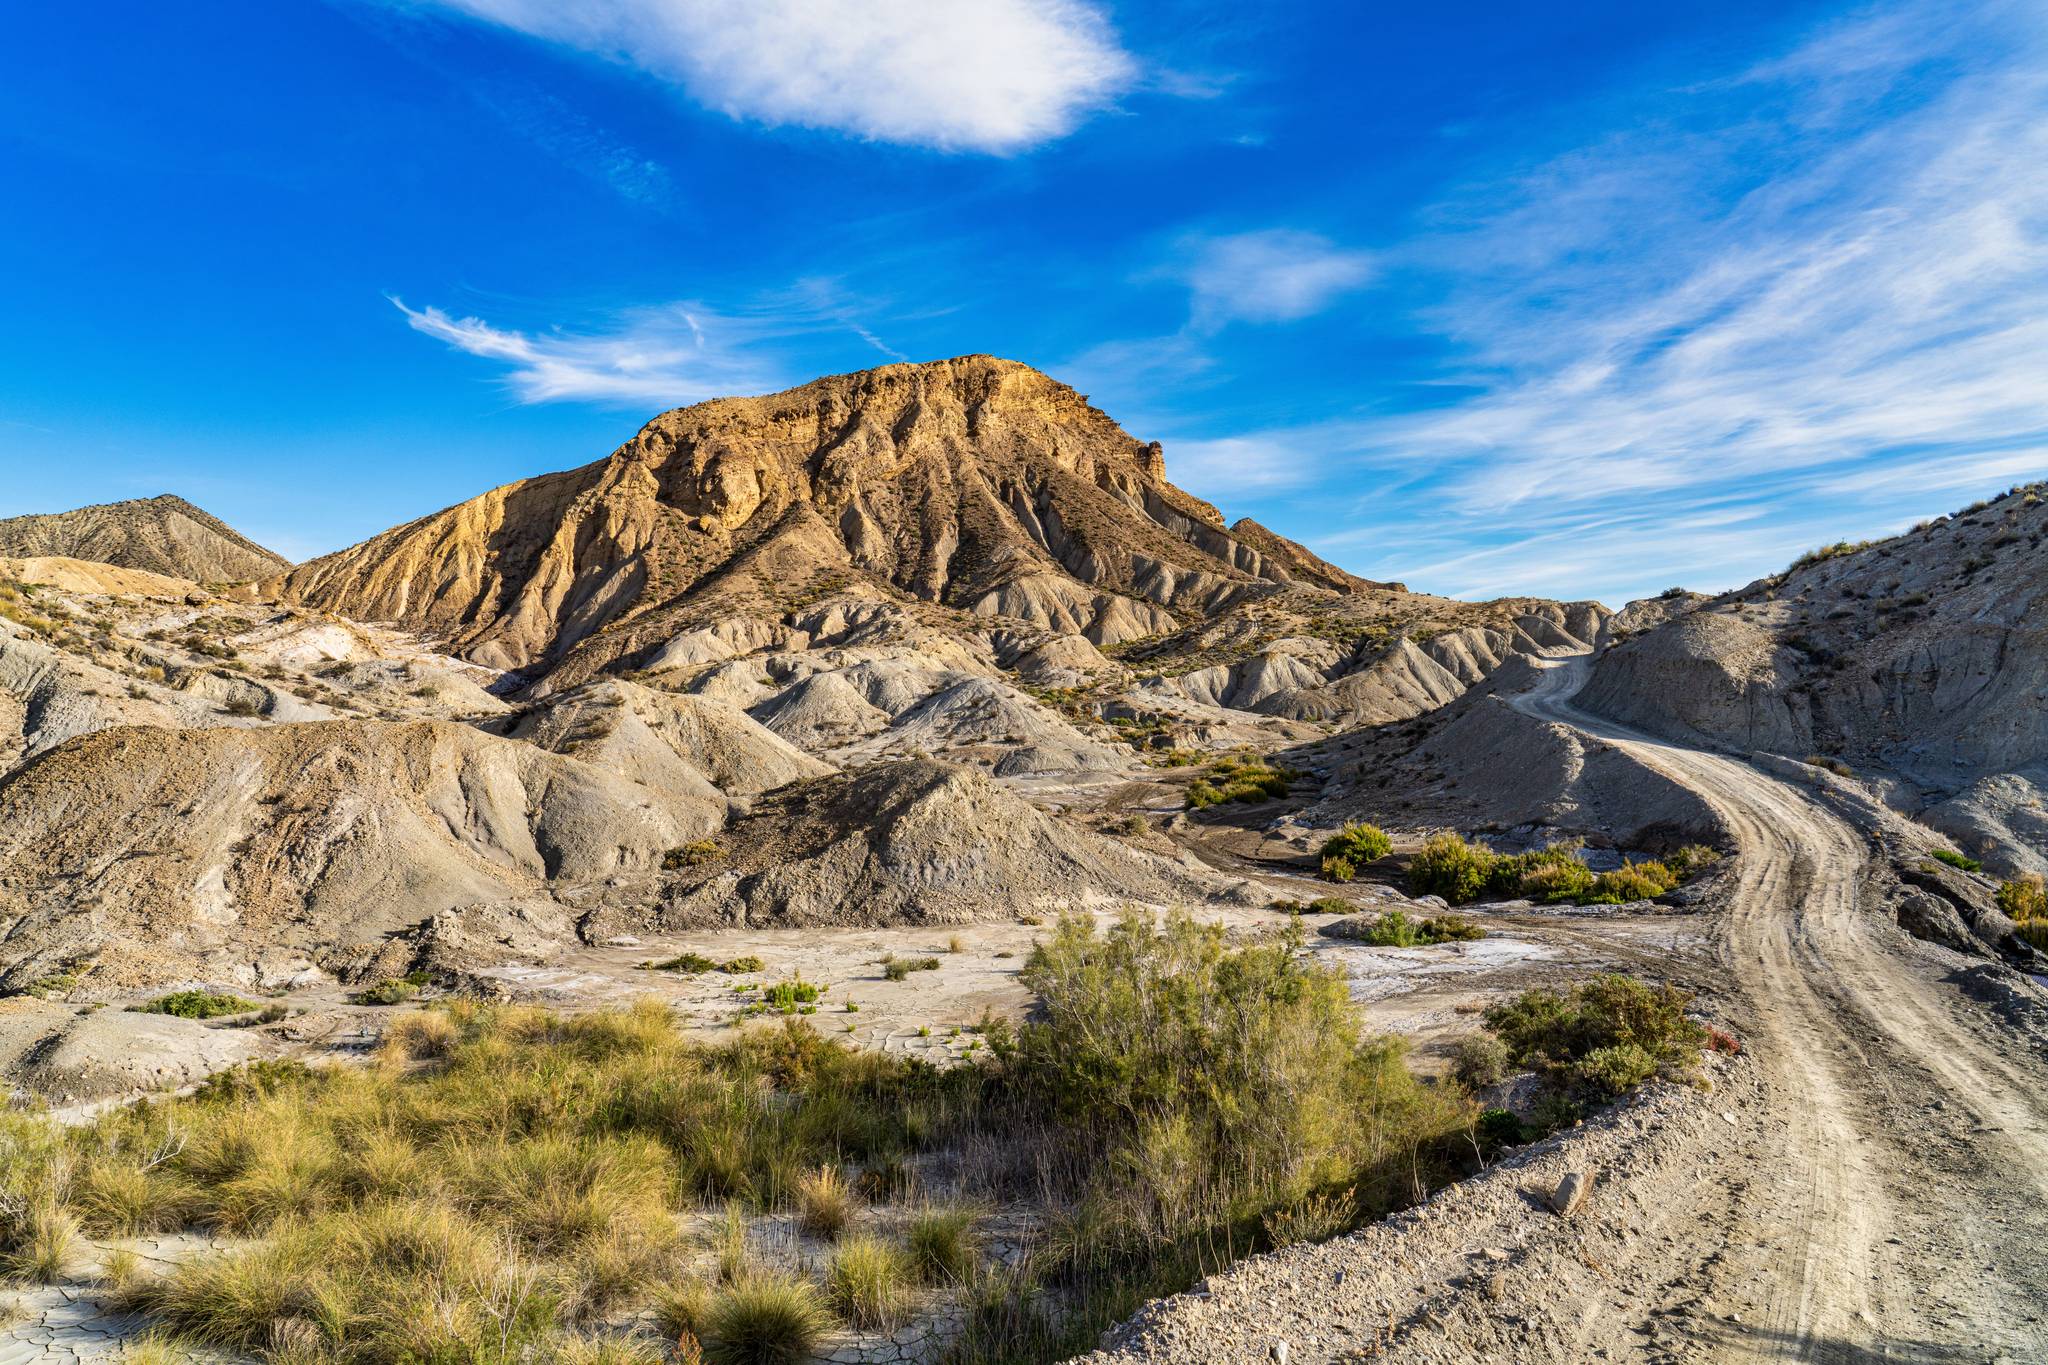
(161, 535)
(1922, 658)
(869, 640)
(975, 484)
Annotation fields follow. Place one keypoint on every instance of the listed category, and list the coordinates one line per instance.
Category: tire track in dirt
(1879, 1075)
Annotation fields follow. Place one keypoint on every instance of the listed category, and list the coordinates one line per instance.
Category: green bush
(1239, 779)
(688, 964)
(1633, 882)
(1351, 848)
(1395, 929)
(1957, 860)
(2025, 901)
(390, 992)
(1602, 1038)
(1449, 867)
(743, 966)
(787, 997)
(1480, 1060)
(1459, 871)
(897, 968)
(1168, 1046)
(197, 1005)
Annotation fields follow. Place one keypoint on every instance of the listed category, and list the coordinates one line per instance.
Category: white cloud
(1244, 466)
(967, 75)
(664, 356)
(1274, 275)
(1819, 289)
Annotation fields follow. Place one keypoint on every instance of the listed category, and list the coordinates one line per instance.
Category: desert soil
(1868, 1182)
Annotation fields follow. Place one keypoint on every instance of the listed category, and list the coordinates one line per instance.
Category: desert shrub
(1449, 867)
(742, 966)
(1838, 550)
(701, 853)
(1313, 1218)
(1554, 882)
(394, 991)
(1833, 765)
(1395, 929)
(1602, 1038)
(243, 706)
(1480, 1060)
(942, 1245)
(1239, 779)
(1690, 861)
(2024, 898)
(2025, 901)
(1351, 848)
(1321, 905)
(1957, 860)
(197, 1005)
(869, 1281)
(1167, 1045)
(1631, 882)
(765, 1320)
(688, 964)
(1134, 824)
(897, 968)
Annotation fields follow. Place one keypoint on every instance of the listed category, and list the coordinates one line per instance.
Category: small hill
(916, 842)
(156, 853)
(162, 535)
(1924, 656)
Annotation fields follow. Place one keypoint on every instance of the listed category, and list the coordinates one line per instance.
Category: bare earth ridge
(1866, 1183)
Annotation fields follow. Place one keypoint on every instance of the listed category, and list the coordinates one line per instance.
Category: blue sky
(1579, 300)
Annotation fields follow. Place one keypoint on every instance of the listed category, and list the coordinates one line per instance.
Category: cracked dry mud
(1868, 1182)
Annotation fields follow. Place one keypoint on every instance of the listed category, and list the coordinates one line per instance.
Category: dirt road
(1871, 1183)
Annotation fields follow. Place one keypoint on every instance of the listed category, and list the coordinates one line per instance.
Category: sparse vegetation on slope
(1601, 1039)
(1240, 779)
(2025, 902)
(502, 1179)
(1395, 929)
(1350, 849)
(198, 1005)
(1462, 872)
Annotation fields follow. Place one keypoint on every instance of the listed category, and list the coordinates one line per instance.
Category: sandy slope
(1871, 1182)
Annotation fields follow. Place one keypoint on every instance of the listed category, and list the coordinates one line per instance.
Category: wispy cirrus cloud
(682, 353)
(1815, 291)
(1270, 275)
(997, 76)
